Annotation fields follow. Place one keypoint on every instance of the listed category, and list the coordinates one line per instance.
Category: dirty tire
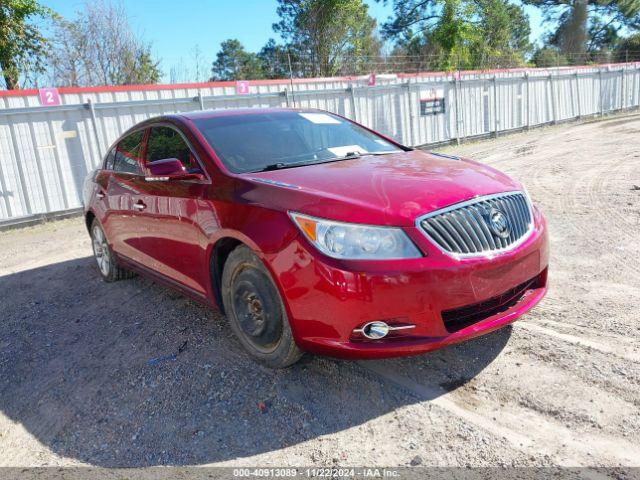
(107, 265)
(255, 310)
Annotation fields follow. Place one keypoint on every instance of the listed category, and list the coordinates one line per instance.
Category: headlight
(353, 241)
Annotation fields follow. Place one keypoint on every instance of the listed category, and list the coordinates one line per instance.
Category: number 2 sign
(49, 97)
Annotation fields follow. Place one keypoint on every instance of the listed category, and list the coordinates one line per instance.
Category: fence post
(528, 121)
(578, 96)
(572, 95)
(94, 123)
(354, 110)
(412, 135)
(623, 90)
(601, 101)
(554, 112)
(635, 95)
(200, 100)
(457, 105)
(496, 122)
(293, 97)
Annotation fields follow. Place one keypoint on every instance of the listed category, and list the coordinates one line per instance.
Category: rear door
(169, 239)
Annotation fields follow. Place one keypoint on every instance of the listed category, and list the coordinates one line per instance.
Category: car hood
(392, 189)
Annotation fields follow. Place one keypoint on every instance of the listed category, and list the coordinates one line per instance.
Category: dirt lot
(132, 374)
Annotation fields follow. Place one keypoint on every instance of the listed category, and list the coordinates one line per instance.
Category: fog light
(379, 329)
(375, 330)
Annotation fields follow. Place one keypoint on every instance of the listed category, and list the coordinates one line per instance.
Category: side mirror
(169, 169)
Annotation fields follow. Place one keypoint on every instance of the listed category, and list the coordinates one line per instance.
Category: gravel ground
(131, 374)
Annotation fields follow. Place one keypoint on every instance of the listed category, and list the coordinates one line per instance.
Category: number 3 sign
(242, 87)
(49, 97)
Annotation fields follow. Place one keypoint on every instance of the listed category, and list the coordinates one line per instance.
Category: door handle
(100, 194)
(139, 206)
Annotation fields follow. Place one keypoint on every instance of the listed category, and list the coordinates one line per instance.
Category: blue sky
(175, 28)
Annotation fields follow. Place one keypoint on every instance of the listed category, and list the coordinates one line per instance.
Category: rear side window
(165, 142)
(128, 153)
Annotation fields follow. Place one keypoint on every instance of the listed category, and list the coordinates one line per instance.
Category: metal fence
(46, 151)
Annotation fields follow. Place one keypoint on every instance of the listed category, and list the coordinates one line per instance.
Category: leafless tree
(199, 64)
(100, 48)
(179, 73)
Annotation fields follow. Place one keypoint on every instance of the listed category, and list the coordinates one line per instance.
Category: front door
(169, 238)
(124, 176)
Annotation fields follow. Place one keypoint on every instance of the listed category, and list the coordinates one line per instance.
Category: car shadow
(131, 374)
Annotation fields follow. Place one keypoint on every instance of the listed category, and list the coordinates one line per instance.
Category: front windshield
(256, 141)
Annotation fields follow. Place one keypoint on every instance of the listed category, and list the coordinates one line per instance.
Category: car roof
(203, 114)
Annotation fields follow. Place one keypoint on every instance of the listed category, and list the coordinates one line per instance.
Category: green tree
(628, 49)
(501, 35)
(140, 67)
(586, 25)
(233, 62)
(274, 60)
(327, 35)
(461, 33)
(602, 35)
(548, 56)
(22, 45)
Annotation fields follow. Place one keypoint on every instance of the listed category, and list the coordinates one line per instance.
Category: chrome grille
(480, 226)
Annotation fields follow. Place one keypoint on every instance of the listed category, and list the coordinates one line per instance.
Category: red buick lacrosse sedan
(313, 233)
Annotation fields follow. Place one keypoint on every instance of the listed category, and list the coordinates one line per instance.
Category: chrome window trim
(473, 201)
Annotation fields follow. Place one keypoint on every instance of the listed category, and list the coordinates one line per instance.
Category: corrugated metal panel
(45, 153)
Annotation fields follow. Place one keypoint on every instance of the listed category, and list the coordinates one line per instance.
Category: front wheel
(107, 265)
(255, 310)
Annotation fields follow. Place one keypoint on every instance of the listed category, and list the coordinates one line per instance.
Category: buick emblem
(498, 223)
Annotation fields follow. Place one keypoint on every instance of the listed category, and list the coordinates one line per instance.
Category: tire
(108, 267)
(255, 310)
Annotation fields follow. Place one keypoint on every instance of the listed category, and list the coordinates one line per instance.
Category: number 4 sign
(49, 97)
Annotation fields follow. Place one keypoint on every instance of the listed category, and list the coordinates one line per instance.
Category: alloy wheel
(101, 250)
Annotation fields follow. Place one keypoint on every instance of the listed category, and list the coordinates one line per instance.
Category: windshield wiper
(281, 165)
(386, 152)
(348, 156)
(273, 166)
(352, 155)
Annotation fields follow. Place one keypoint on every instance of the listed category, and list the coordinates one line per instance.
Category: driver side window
(165, 142)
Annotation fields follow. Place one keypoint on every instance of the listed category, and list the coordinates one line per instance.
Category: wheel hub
(256, 309)
(254, 314)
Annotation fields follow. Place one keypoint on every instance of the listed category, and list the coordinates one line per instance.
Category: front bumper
(327, 299)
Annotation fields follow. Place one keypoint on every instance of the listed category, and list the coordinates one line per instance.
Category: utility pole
(293, 98)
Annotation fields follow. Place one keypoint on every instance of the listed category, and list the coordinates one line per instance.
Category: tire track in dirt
(536, 434)
(627, 353)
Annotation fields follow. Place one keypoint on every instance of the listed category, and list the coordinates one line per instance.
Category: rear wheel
(255, 310)
(107, 264)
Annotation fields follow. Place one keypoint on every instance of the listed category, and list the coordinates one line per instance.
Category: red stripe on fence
(280, 81)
